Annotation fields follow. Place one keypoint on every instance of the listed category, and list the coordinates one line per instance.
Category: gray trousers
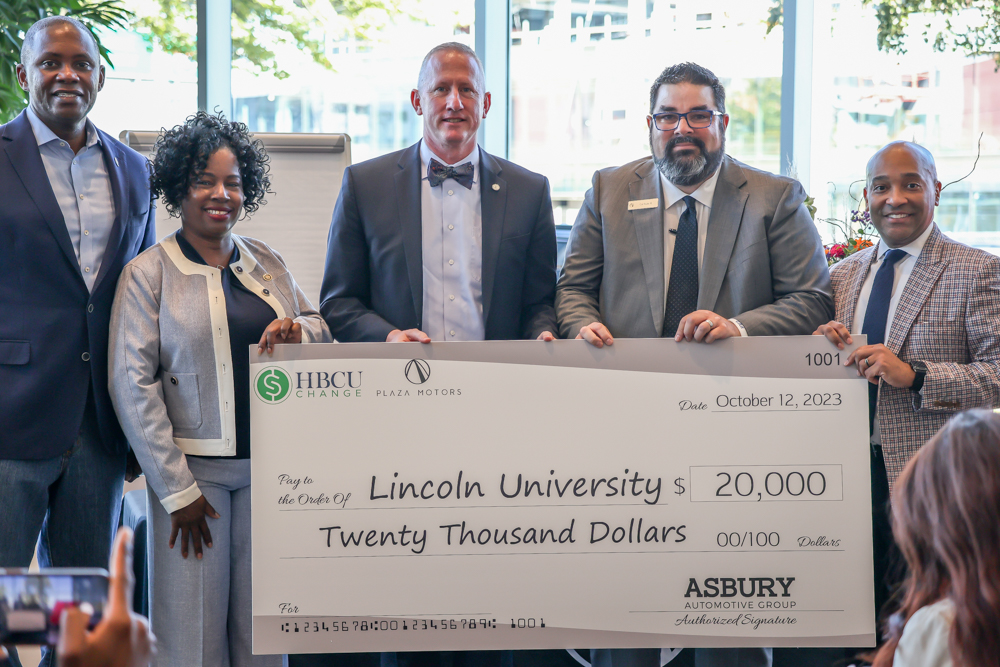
(703, 657)
(200, 609)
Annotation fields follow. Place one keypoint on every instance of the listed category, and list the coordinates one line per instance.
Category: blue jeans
(68, 504)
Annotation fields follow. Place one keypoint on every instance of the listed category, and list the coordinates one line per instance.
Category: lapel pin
(496, 186)
(267, 276)
(116, 160)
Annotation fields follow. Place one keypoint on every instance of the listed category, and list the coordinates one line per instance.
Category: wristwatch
(920, 371)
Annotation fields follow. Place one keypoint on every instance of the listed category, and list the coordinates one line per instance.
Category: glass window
(581, 71)
(147, 89)
(365, 91)
(864, 98)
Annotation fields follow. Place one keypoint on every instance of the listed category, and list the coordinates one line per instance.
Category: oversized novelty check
(552, 495)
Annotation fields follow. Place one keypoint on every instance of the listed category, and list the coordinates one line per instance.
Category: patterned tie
(682, 294)
(877, 313)
(437, 172)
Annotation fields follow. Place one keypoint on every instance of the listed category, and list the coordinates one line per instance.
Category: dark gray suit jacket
(763, 261)
(374, 273)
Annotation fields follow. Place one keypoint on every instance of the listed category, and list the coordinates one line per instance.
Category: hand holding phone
(122, 638)
(31, 602)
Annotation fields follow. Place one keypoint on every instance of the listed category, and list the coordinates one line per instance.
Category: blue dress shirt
(451, 227)
(82, 188)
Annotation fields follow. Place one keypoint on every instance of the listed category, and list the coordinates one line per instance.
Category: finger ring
(868, 362)
(711, 324)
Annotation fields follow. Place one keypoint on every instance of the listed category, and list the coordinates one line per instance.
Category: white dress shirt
(82, 188)
(901, 275)
(451, 225)
(673, 208)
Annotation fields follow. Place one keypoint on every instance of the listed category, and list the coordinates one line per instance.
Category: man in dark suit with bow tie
(76, 208)
(442, 241)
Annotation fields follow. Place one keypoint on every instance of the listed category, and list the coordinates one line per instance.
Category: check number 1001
(753, 483)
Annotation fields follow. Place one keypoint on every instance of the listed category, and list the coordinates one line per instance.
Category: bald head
(922, 157)
(902, 191)
(65, 22)
(454, 47)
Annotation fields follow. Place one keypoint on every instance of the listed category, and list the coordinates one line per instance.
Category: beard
(689, 169)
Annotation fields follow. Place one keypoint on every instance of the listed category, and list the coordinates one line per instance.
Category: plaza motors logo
(417, 371)
(272, 385)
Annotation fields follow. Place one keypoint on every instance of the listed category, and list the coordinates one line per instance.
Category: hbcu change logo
(272, 385)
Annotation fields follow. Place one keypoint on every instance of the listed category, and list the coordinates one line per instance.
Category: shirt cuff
(739, 325)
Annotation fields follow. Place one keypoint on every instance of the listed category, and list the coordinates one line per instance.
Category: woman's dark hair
(946, 520)
(182, 153)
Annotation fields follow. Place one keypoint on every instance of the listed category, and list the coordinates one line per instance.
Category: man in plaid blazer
(941, 350)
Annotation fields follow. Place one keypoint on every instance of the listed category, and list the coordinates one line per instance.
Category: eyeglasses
(696, 120)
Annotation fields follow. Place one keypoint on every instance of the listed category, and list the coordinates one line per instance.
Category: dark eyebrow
(52, 54)
(700, 107)
(908, 175)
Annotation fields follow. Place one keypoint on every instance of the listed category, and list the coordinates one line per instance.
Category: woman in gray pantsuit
(185, 313)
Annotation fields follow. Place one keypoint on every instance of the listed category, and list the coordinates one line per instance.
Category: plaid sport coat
(948, 316)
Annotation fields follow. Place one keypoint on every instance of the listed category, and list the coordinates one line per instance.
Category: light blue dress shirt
(82, 188)
(451, 227)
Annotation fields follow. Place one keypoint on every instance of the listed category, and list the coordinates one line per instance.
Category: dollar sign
(273, 386)
(680, 487)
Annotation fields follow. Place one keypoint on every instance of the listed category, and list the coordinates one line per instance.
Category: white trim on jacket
(223, 353)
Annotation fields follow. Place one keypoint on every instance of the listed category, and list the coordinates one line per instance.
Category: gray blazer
(763, 262)
(169, 358)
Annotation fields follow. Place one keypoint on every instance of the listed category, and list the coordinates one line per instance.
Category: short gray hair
(453, 46)
(43, 24)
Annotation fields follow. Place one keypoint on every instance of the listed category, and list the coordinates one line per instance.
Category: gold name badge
(638, 204)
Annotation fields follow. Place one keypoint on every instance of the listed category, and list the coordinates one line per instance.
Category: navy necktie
(437, 172)
(877, 313)
(682, 293)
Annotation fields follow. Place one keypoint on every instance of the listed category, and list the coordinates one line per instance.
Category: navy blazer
(374, 270)
(53, 331)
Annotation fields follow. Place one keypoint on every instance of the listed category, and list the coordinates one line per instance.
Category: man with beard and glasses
(692, 244)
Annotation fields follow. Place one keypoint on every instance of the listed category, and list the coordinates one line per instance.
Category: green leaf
(975, 40)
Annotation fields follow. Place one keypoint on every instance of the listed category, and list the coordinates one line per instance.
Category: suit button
(85, 356)
(239, 269)
(90, 308)
(173, 380)
(266, 292)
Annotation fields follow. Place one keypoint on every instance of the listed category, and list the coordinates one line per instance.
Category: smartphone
(31, 602)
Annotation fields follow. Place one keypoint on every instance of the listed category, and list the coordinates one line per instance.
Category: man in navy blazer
(440, 242)
(420, 256)
(76, 208)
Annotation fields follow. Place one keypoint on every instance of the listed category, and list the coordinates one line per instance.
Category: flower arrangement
(858, 232)
(855, 239)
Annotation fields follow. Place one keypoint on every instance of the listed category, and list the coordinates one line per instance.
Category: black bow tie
(437, 172)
